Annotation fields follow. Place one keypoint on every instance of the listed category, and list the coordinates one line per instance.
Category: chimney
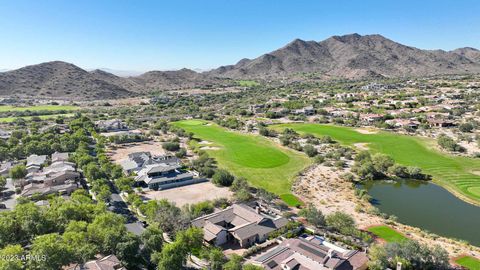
(330, 253)
(399, 266)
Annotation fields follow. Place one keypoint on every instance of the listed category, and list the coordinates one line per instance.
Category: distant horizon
(126, 73)
(151, 35)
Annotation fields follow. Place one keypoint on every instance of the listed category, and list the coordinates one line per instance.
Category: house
(5, 168)
(138, 160)
(305, 111)
(59, 177)
(59, 157)
(371, 117)
(110, 262)
(36, 160)
(111, 125)
(406, 123)
(310, 252)
(238, 224)
(440, 123)
(164, 176)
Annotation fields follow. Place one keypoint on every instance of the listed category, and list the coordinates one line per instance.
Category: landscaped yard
(457, 174)
(262, 162)
(8, 108)
(469, 262)
(386, 233)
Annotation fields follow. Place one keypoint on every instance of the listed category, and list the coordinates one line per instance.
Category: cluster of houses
(243, 226)
(49, 176)
(158, 172)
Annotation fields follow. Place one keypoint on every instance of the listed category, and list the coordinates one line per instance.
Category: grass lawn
(386, 233)
(263, 163)
(43, 117)
(454, 173)
(469, 262)
(247, 83)
(8, 108)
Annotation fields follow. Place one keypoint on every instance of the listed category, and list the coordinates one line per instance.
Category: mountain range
(350, 56)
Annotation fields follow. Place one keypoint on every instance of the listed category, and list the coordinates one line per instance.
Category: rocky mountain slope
(66, 81)
(354, 56)
(350, 56)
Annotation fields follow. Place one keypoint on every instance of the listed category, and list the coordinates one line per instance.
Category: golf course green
(8, 108)
(263, 163)
(457, 174)
(386, 233)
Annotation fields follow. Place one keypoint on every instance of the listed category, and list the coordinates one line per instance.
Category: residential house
(405, 123)
(111, 125)
(165, 176)
(310, 253)
(138, 160)
(5, 168)
(238, 224)
(59, 177)
(370, 118)
(110, 262)
(36, 160)
(59, 157)
(305, 111)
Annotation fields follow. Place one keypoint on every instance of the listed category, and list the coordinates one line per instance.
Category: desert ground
(190, 194)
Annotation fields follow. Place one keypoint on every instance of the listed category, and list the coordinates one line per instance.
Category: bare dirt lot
(190, 194)
(121, 152)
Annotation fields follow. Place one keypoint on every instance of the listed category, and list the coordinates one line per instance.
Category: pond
(427, 206)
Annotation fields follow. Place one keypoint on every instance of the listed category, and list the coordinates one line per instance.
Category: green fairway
(454, 173)
(469, 262)
(386, 233)
(247, 83)
(26, 118)
(259, 160)
(8, 108)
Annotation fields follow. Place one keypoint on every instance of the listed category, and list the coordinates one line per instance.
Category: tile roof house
(110, 262)
(238, 223)
(58, 177)
(310, 253)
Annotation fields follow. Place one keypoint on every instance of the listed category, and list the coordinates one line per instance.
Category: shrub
(222, 178)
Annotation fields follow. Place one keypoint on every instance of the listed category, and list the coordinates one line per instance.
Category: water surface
(427, 206)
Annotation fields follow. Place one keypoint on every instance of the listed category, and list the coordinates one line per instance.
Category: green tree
(216, 259)
(310, 150)
(106, 231)
(18, 172)
(171, 257)
(77, 242)
(341, 222)
(411, 254)
(235, 263)
(50, 252)
(313, 215)
(152, 239)
(222, 178)
(382, 162)
(11, 251)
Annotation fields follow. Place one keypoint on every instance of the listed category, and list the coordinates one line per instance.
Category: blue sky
(147, 35)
